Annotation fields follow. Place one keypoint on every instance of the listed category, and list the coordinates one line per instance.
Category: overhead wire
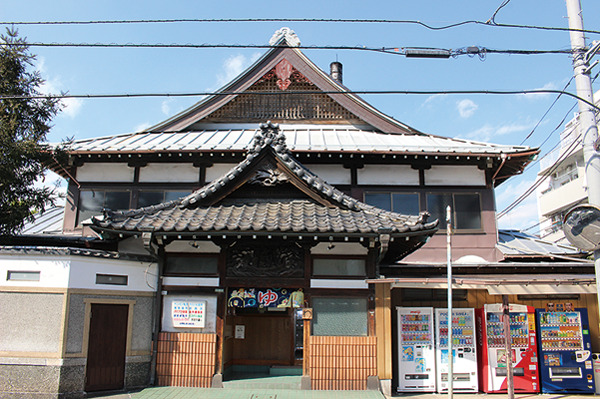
(296, 92)
(569, 151)
(397, 50)
(299, 20)
(493, 18)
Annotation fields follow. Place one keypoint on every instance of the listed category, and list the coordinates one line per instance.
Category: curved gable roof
(284, 50)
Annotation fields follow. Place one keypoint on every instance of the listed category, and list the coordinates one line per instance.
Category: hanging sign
(189, 314)
(265, 298)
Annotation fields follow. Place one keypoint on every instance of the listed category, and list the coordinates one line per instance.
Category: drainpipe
(158, 254)
(504, 157)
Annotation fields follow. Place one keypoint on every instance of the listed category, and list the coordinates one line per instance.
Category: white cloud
(466, 108)
(487, 131)
(525, 214)
(538, 96)
(166, 106)
(235, 65)
(54, 182)
(432, 98)
(70, 107)
(142, 126)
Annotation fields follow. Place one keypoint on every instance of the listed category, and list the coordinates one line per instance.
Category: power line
(300, 20)
(492, 19)
(298, 92)
(569, 151)
(470, 50)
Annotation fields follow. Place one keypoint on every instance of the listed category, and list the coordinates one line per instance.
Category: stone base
(373, 383)
(305, 383)
(217, 381)
(386, 387)
(59, 382)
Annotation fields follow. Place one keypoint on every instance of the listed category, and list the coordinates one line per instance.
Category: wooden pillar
(383, 330)
(306, 317)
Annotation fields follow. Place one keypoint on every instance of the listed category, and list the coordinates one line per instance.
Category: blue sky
(504, 119)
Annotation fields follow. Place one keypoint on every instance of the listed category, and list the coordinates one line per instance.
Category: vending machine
(416, 353)
(565, 348)
(492, 351)
(464, 353)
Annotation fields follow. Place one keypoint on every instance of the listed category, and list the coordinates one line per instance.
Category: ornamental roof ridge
(286, 34)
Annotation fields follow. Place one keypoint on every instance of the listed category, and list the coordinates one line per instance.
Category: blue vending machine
(565, 350)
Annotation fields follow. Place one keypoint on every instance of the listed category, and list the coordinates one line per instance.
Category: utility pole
(587, 117)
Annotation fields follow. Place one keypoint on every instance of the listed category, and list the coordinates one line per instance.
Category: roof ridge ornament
(286, 34)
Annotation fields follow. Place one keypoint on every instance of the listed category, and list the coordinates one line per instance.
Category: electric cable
(299, 20)
(297, 92)
(569, 151)
(492, 19)
(398, 50)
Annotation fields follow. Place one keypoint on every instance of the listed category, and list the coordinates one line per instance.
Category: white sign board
(240, 331)
(189, 314)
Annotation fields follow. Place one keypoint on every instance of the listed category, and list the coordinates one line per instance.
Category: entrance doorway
(106, 347)
(263, 337)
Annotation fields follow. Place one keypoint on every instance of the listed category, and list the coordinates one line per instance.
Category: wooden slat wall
(186, 359)
(342, 363)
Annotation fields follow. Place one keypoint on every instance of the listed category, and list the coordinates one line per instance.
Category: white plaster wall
(460, 175)
(388, 175)
(141, 276)
(54, 271)
(339, 248)
(218, 170)
(332, 174)
(105, 172)
(211, 313)
(169, 173)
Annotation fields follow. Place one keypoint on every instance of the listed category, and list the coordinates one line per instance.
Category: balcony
(563, 197)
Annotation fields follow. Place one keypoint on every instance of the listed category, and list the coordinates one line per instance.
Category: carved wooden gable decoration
(282, 80)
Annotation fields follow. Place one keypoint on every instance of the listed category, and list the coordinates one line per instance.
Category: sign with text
(189, 314)
(265, 298)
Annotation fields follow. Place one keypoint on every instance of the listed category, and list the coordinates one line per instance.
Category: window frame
(215, 256)
(338, 276)
(341, 296)
(103, 191)
(442, 224)
(391, 194)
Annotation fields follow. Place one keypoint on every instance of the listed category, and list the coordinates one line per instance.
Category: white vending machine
(464, 352)
(416, 358)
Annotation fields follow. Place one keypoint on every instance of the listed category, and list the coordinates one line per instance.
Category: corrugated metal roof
(48, 222)
(516, 243)
(318, 138)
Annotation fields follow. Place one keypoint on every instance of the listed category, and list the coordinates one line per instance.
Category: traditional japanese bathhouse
(282, 192)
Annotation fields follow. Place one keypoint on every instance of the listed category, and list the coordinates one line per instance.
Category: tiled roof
(208, 210)
(273, 216)
(298, 138)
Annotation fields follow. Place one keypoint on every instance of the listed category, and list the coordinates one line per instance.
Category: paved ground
(215, 393)
(206, 393)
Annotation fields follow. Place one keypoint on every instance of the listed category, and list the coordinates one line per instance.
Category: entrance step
(285, 370)
(262, 382)
(263, 377)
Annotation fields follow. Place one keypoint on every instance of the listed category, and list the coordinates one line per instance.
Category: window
(339, 316)
(18, 275)
(405, 203)
(339, 267)
(147, 198)
(91, 202)
(111, 279)
(466, 210)
(191, 265)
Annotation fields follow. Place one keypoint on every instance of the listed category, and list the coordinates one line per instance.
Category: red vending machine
(492, 352)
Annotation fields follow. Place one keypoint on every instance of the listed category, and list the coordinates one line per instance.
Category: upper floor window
(191, 265)
(466, 209)
(91, 202)
(153, 197)
(405, 203)
(330, 266)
